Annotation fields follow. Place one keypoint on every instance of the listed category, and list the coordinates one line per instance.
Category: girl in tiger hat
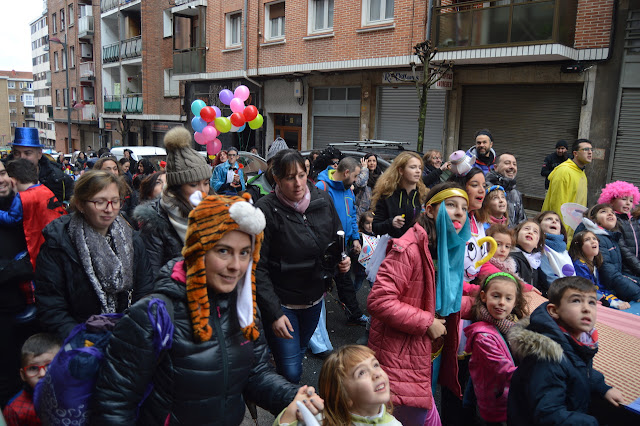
(218, 352)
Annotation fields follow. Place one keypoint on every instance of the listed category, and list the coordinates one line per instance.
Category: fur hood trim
(524, 342)
(149, 217)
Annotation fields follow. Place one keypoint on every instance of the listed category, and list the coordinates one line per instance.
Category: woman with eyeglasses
(92, 262)
(433, 168)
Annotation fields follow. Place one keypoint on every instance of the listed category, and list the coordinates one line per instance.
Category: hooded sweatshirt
(483, 162)
(344, 201)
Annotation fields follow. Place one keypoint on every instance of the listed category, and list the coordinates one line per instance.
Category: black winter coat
(160, 238)
(555, 376)
(551, 161)
(630, 230)
(399, 203)
(51, 176)
(194, 383)
(431, 175)
(290, 269)
(64, 295)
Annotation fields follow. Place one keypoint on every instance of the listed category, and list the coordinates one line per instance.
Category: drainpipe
(429, 17)
(246, 44)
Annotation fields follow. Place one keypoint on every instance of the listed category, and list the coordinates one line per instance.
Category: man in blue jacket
(227, 178)
(338, 183)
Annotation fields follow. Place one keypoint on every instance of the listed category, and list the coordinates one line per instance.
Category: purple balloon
(225, 96)
(217, 110)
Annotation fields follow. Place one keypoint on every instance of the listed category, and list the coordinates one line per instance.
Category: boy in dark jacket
(555, 376)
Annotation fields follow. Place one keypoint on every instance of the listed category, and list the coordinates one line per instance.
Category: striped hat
(208, 223)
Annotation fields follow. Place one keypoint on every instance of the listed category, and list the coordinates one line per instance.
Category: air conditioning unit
(87, 94)
(86, 50)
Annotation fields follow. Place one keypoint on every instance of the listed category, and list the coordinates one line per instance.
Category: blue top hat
(27, 136)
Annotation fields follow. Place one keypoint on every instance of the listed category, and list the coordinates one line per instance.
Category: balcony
(131, 47)
(133, 103)
(85, 27)
(189, 61)
(112, 104)
(89, 113)
(111, 53)
(29, 116)
(494, 24)
(87, 72)
(106, 5)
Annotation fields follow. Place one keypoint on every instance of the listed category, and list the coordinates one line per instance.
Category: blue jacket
(218, 179)
(605, 296)
(625, 286)
(13, 216)
(344, 201)
(487, 166)
(555, 375)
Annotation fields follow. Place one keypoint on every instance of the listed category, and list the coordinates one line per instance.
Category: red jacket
(491, 367)
(402, 308)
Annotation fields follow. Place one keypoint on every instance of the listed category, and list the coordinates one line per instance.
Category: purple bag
(63, 395)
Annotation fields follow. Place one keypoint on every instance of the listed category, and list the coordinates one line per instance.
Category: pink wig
(619, 189)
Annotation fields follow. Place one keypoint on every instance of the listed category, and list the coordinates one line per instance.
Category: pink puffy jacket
(402, 307)
(491, 367)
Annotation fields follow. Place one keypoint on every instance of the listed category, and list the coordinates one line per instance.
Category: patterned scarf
(502, 325)
(108, 266)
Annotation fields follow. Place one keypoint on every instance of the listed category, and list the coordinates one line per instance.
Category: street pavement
(340, 334)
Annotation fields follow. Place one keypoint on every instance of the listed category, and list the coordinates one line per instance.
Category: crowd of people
(238, 270)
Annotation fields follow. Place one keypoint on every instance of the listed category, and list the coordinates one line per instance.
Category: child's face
(368, 387)
(590, 246)
(576, 312)
(457, 210)
(551, 224)
(367, 225)
(623, 204)
(529, 236)
(606, 218)
(31, 373)
(475, 190)
(504, 246)
(500, 297)
(497, 204)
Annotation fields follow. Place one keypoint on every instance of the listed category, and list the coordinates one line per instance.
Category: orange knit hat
(208, 223)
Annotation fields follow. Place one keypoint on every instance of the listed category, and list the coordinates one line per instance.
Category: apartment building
(42, 80)
(74, 82)
(17, 108)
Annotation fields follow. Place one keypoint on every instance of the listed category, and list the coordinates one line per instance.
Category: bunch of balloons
(208, 122)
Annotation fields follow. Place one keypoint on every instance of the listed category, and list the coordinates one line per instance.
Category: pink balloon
(242, 93)
(237, 105)
(209, 133)
(214, 147)
(200, 139)
(213, 126)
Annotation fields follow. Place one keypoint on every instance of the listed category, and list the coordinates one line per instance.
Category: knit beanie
(278, 145)
(562, 143)
(212, 218)
(184, 164)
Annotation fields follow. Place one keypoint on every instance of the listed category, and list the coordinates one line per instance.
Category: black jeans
(347, 295)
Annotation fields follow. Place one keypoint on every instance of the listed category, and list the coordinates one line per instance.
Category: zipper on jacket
(223, 351)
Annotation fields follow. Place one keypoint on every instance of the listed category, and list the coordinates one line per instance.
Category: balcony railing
(87, 70)
(112, 104)
(89, 113)
(111, 53)
(29, 116)
(478, 24)
(132, 103)
(85, 26)
(189, 61)
(131, 47)
(106, 5)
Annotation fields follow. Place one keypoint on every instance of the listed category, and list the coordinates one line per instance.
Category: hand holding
(281, 327)
(398, 221)
(437, 329)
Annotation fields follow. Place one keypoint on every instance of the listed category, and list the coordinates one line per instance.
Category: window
(274, 19)
(171, 86)
(14, 124)
(55, 61)
(71, 17)
(167, 23)
(54, 24)
(29, 86)
(321, 16)
(22, 85)
(234, 21)
(13, 111)
(12, 85)
(72, 56)
(12, 98)
(61, 19)
(74, 95)
(64, 97)
(58, 97)
(377, 11)
(64, 60)
(28, 101)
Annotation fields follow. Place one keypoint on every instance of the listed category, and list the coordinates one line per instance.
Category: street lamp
(68, 97)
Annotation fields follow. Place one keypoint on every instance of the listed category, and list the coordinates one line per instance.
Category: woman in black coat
(218, 355)
(92, 261)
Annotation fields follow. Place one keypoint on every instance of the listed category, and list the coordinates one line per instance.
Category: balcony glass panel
(112, 104)
(532, 22)
(89, 113)
(106, 5)
(189, 61)
(85, 26)
(131, 47)
(490, 26)
(133, 103)
(86, 69)
(111, 53)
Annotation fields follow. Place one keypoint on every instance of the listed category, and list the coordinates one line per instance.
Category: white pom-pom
(249, 219)
(195, 198)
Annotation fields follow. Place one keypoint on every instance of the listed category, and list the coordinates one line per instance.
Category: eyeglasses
(34, 369)
(586, 149)
(335, 162)
(103, 204)
(232, 155)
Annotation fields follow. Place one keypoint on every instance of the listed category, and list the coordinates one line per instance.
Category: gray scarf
(177, 220)
(108, 266)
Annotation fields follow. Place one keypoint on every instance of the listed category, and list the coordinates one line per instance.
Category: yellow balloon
(493, 246)
(223, 124)
(256, 122)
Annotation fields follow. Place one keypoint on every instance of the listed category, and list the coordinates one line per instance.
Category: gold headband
(448, 193)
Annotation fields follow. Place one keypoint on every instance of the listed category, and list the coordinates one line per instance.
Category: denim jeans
(288, 353)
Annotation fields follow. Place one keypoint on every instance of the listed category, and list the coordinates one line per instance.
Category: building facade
(42, 80)
(17, 108)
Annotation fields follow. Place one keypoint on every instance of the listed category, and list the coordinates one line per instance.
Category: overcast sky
(15, 33)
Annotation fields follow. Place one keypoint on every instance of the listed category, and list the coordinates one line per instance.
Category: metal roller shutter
(398, 112)
(328, 130)
(627, 154)
(526, 120)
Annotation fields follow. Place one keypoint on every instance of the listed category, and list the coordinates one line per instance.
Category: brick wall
(593, 23)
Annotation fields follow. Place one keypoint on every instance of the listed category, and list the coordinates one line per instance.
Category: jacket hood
(567, 164)
(492, 154)
(596, 229)
(149, 216)
(530, 337)
(326, 176)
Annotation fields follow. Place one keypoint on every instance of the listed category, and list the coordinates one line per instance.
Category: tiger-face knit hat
(208, 223)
